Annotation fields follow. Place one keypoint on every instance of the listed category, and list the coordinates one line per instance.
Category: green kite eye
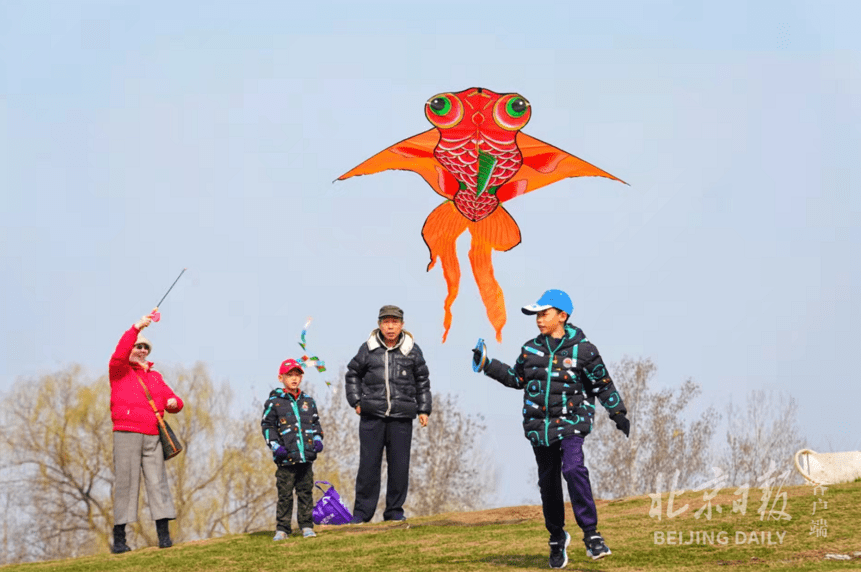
(512, 112)
(516, 107)
(440, 105)
(444, 110)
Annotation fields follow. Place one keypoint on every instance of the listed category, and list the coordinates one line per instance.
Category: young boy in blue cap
(292, 431)
(561, 374)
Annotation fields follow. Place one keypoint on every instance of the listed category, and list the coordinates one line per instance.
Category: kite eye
(516, 107)
(512, 112)
(444, 110)
(440, 105)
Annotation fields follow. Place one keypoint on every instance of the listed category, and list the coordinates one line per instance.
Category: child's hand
(281, 454)
(318, 444)
(476, 359)
(622, 423)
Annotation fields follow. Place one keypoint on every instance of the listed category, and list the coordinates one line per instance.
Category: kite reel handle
(483, 361)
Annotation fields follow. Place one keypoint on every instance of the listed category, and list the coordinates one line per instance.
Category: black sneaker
(595, 547)
(558, 552)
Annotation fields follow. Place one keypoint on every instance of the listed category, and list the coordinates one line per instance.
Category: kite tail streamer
(440, 233)
(496, 232)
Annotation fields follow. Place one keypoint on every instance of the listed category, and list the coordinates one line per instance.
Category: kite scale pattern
(476, 157)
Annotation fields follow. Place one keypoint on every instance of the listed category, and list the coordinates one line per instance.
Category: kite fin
(440, 232)
(496, 232)
(413, 154)
(544, 164)
(486, 163)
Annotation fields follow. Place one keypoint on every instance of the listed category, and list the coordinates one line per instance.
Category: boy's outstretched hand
(622, 423)
(476, 359)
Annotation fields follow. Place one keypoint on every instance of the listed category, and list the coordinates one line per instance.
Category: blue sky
(137, 140)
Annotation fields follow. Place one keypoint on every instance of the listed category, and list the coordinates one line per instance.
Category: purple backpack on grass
(330, 508)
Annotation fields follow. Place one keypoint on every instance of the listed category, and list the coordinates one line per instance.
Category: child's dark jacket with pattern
(560, 379)
(291, 422)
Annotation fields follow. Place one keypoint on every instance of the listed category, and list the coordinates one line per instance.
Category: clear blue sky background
(138, 139)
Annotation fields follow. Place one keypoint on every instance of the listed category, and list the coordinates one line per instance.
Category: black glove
(476, 358)
(622, 424)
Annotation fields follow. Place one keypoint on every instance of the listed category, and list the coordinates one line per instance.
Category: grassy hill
(514, 538)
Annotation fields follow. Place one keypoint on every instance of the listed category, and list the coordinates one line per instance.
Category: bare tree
(448, 470)
(56, 436)
(245, 484)
(18, 529)
(56, 440)
(765, 433)
(661, 440)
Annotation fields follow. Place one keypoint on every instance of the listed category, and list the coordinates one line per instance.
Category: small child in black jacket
(292, 431)
(561, 373)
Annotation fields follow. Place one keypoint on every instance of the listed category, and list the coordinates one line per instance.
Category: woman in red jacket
(137, 447)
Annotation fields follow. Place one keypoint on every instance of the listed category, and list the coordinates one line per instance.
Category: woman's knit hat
(142, 340)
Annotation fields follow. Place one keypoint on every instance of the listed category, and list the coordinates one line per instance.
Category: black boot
(120, 545)
(163, 533)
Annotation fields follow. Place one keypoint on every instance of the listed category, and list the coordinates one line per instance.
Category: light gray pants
(133, 453)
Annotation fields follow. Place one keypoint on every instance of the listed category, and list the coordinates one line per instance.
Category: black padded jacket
(389, 382)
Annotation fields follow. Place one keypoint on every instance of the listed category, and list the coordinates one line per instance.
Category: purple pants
(565, 458)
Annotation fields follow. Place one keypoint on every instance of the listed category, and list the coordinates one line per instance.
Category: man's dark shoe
(558, 552)
(595, 547)
(400, 518)
(119, 546)
(161, 528)
(357, 520)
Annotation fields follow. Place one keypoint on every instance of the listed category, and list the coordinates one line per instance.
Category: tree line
(668, 438)
(57, 464)
(56, 449)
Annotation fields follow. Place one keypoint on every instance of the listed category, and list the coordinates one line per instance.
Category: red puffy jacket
(130, 410)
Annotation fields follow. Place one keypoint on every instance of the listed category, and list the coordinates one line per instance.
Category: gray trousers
(135, 453)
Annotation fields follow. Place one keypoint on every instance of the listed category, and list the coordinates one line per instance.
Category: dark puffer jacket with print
(389, 382)
(560, 379)
(291, 422)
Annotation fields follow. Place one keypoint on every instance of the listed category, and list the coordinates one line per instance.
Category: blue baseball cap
(550, 299)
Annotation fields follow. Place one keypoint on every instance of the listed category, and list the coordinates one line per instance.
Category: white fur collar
(405, 344)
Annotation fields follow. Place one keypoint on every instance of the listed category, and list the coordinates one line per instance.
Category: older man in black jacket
(387, 384)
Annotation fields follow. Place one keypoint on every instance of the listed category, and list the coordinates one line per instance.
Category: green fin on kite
(486, 163)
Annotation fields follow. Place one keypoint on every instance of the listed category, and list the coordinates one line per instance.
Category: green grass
(515, 539)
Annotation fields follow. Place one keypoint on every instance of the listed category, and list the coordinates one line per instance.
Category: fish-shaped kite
(477, 158)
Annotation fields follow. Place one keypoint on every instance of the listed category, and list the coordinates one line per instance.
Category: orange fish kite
(476, 157)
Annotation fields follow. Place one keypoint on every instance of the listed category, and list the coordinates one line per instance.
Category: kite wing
(544, 164)
(413, 154)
